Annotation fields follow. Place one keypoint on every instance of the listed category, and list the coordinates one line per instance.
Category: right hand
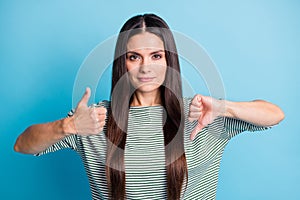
(88, 120)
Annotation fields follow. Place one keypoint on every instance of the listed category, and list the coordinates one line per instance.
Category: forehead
(145, 40)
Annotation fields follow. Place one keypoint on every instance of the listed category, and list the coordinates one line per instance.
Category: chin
(148, 88)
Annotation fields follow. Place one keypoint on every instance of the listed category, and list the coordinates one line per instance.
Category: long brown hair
(171, 94)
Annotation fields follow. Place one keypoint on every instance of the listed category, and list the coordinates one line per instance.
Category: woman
(148, 142)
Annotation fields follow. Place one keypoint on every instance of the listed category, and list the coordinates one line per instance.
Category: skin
(86, 120)
(146, 65)
(205, 109)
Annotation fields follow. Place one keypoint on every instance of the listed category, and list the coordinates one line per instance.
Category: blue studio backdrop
(254, 44)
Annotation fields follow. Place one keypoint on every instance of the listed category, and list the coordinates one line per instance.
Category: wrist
(68, 126)
(228, 109)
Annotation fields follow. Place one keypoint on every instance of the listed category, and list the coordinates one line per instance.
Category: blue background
(255, 45)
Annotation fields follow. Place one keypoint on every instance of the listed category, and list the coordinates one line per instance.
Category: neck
(146, 99)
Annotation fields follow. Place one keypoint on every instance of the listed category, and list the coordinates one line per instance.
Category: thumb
(85, 98)
(199, 98)
(196, 130)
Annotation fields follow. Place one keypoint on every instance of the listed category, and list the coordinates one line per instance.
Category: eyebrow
(154, 52)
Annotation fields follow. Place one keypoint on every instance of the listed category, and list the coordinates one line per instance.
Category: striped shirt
(145, 158)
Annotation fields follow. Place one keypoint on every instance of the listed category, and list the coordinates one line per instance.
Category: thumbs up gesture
(88, 120)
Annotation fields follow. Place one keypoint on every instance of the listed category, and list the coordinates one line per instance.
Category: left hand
(204, 109)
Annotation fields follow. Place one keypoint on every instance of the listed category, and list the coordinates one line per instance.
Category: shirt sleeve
(225, 127)
(68, 142)
(233, 127)
(71, 141)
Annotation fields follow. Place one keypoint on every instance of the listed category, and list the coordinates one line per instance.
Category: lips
(145, 79)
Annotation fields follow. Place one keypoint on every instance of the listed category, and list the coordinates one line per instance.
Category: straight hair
(171, 94)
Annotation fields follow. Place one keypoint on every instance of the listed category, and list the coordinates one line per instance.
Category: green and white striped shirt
(145, 157)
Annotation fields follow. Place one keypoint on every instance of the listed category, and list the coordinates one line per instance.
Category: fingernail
(198, 98)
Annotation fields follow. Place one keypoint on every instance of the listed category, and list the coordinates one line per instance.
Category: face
(146, 62)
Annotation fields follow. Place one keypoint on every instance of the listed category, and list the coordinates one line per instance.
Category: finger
(197, 129)
(93, 114)
(195, 115)
(197, 100)
(191, 119)
(100, 110)
(194, 100)
(194, 108)
(101, 113)
(101, 118)
(97, 113)
(102, 124)
(99, 128)
(85, 98)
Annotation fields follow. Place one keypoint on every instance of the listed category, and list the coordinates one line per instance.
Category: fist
(205, 110)
(88, 120)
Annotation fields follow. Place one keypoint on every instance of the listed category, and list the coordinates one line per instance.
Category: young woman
(149, 142)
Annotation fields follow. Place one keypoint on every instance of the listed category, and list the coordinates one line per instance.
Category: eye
(133, 57)
(157, 56)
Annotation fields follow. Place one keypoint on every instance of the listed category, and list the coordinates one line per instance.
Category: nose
(145, 66)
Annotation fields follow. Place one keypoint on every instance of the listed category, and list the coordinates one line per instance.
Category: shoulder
(187, 99)
(186, 104)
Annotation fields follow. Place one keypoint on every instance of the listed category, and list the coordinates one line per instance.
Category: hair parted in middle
(121, 97)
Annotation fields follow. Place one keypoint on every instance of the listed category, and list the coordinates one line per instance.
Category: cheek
(161, 66)
(163, 70)
(132, 67)
(128, 66)
(132, 73)
(162, 73)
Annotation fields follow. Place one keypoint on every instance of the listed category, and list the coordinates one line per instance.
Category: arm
(37, 138)
(205, 109)
(85, 121)
(258, 112)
